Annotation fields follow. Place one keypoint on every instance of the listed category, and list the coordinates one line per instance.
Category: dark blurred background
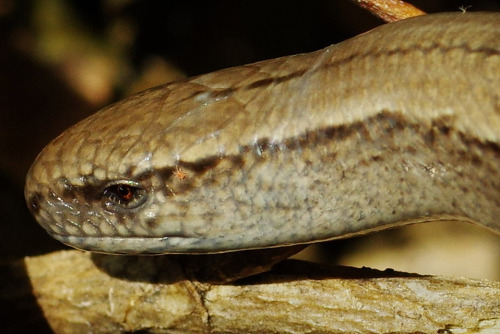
(62, 60)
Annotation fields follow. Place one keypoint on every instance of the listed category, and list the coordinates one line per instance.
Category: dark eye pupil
(125, 192)
(123, 196)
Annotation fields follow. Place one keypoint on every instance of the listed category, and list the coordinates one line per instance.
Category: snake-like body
(395, 126)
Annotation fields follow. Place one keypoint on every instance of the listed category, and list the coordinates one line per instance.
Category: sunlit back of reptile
(398, 125)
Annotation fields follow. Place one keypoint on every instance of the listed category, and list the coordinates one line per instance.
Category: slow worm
(395, 126)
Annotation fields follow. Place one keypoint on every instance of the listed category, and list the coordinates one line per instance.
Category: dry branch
(390, 10)
(81, 293)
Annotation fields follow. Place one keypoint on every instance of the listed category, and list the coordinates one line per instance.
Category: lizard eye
(123, 195)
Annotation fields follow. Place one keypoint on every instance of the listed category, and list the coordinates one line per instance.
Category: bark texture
(80, 293)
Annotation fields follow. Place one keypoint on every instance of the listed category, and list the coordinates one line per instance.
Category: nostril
(34, 202)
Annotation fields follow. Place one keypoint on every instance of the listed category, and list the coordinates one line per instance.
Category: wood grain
(81, 293)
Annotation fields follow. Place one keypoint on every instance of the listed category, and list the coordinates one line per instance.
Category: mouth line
(135, 245)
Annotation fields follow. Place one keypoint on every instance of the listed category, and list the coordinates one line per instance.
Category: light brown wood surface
(390, 10)
(81, 293)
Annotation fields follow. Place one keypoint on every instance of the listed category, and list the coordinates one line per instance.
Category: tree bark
(80, 293)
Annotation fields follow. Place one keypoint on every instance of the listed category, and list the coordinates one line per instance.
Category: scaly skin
(395, 126)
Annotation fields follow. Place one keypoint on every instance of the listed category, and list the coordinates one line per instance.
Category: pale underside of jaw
(152, 245)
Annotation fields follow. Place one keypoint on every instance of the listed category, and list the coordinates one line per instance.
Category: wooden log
(79, 293)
